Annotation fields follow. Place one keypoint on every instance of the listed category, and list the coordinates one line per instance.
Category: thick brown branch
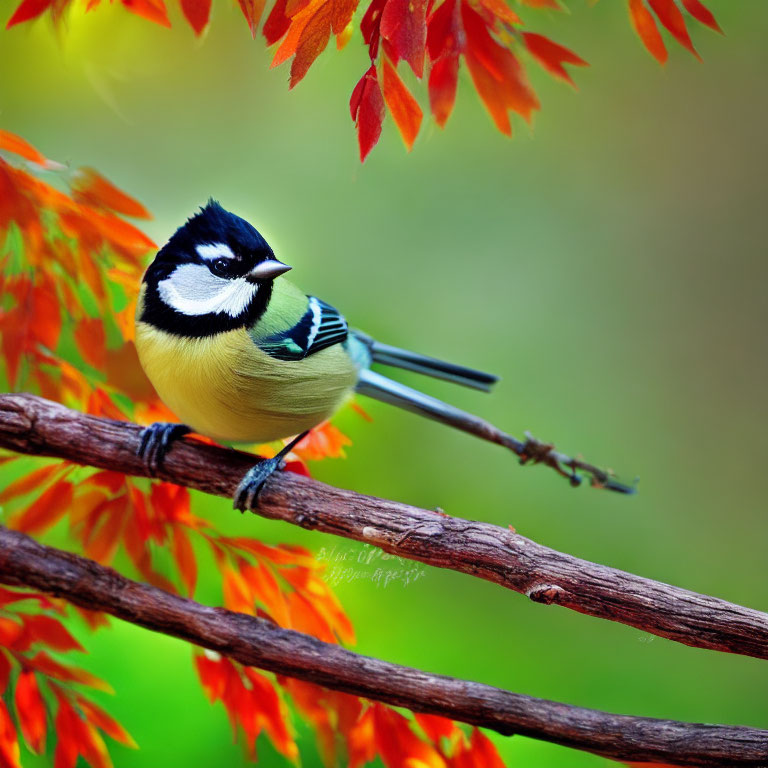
(259, 643)
(30, 424)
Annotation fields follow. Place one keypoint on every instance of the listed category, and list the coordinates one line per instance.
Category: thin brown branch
(259, 643)
(29, 424)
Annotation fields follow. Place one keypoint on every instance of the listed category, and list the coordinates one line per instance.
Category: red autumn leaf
(197, 13)
(9, 743)
(31, 711)
(271, 712)
(184, 556)
(67, 731)
(436, 727)
(266, 590)
(152, 10)
(367, 108)
(46, 510)
(552, 56)
(104, 722)
(404, 28)
(306, 618)
(645, 26)
(42, 662)
(50, 632)
(496, 73)
(11, 634)
(277, 23)
(91, 341)
(444, 34)
(10, 142)
(91, 188)
(403, 107)
(702, 14)
(112, 481)
(92, 746)
(237, 593)
(102, 546)
(370, 27)
(5, 672)
(46, 313)
(671, 17)
(500, 9)
(325, 440)
(298, 467)
(397, 744)
(312, 40)
(252, 10)
(211, 677)
(311, 25)
(283, 554)
(484, 752)
(28, 483)
(27, 10)
(118, 232)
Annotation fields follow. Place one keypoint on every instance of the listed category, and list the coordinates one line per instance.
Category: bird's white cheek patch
(193, 290)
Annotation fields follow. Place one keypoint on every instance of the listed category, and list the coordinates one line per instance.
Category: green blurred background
(609, 264)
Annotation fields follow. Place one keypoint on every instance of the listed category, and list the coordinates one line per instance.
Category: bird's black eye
(221, 267)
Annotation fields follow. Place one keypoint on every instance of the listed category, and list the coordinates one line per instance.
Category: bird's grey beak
(267, 270)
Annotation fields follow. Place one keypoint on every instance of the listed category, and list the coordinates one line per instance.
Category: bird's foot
(156, 441)
(250, 486)
(247, 492)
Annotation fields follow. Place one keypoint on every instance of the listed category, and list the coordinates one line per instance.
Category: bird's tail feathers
(373, 384)
(385, 354)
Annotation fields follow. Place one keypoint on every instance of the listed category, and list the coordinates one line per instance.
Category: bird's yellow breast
(225, 387)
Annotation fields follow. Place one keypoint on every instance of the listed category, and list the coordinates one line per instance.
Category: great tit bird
(242, 355)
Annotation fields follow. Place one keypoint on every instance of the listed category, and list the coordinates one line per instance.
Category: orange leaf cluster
(251, 700)
(62, 253)
(106, 510)
(364, 731)
(671, 17)
(426, 34)
(41, 681)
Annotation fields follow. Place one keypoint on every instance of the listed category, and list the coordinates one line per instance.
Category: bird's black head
(215, 274)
